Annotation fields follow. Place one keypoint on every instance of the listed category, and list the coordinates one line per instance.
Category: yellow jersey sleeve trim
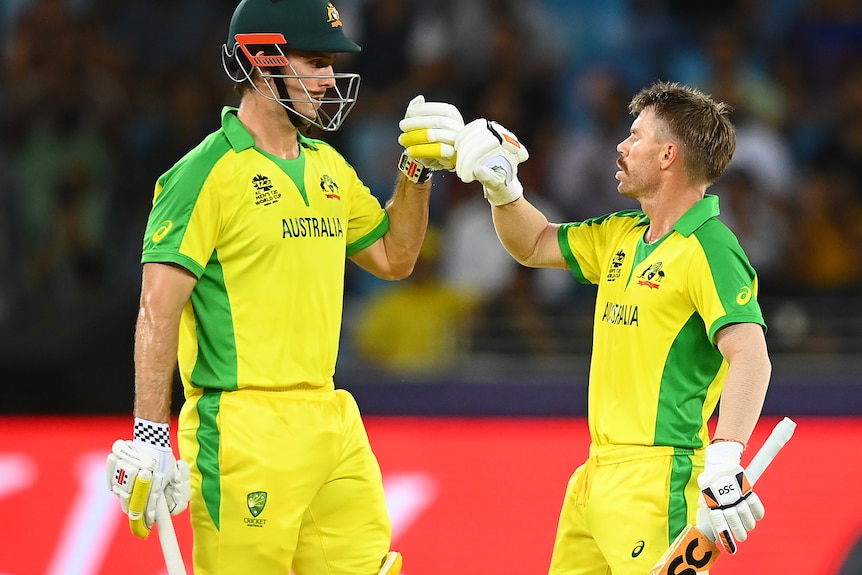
(369, 238)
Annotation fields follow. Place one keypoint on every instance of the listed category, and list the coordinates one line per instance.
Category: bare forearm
(745, 387)
(408, 220)
(156, 340)
(741, 402)
(526, 234)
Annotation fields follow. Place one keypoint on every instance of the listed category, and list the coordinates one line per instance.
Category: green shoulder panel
(733, 275)
(176, 194)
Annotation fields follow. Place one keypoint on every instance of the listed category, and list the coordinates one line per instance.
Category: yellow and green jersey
(656, 374)
(267, 239)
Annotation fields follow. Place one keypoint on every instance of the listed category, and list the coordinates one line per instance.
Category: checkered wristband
(414, 171)
(153, 434)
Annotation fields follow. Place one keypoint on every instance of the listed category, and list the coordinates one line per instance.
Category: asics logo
(638, 548)
(162, 231)
(744, 295)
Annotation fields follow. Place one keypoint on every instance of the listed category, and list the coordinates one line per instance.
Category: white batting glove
(726, 496)
(428, 133)
(140, 471)
(489, 153)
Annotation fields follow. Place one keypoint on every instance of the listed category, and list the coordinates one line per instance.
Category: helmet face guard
(240, 63)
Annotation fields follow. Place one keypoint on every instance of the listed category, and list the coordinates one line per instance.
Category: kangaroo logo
(652, 276)
(329, 187)
(332, 16)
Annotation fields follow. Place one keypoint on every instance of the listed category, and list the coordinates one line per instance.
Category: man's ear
(669, 154)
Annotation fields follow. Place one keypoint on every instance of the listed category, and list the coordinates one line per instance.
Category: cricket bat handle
(780, 435)
(168, 539)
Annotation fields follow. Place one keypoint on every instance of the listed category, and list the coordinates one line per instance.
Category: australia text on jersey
(311, 227)
(620, 314)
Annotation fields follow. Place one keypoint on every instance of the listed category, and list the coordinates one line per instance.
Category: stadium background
(99, 97)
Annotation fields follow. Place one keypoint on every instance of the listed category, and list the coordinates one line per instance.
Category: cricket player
(243, 280)
(677, 327)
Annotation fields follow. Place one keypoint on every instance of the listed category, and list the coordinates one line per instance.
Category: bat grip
(780, 435)
(168, 539)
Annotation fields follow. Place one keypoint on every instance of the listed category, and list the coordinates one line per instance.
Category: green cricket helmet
(260, 34)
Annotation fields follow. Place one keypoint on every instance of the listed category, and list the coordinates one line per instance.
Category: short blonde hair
(702, 126)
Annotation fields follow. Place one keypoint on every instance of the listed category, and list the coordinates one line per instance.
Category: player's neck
(664, 210)
(654, 234)
(270, 126)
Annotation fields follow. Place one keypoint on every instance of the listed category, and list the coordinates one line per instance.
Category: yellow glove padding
(428, 133)
(139, 475)
(138, 503)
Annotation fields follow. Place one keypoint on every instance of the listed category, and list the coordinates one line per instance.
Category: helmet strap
(298, 121)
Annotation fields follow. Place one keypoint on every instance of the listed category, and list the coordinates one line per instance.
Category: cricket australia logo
(652, 276)
(332, 16)
(329, 187)
(256, 501)
(616, 266)
(264, 192)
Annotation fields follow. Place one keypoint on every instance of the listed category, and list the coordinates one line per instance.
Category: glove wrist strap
(152, 434)
(504, 195)
(723, 452)
(414, 171)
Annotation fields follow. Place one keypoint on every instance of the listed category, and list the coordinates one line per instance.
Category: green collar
(236, 133)
(696, 216)
(240, 139)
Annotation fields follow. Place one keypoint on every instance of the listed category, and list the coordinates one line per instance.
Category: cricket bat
(168, 539)
(694, 550)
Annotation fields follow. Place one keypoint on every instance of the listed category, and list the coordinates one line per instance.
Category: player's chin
(308, 110)
(625, 190)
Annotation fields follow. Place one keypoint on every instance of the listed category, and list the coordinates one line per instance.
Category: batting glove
(727, 500)
(141, 471)
(428, 135)
(489, 153)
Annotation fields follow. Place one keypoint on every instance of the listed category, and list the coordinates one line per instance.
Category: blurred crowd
(100, 97)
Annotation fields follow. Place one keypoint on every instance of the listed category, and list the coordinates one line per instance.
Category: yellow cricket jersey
(656, 375)
(267, 239)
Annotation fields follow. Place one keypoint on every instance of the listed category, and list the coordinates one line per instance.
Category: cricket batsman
(243, 286)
